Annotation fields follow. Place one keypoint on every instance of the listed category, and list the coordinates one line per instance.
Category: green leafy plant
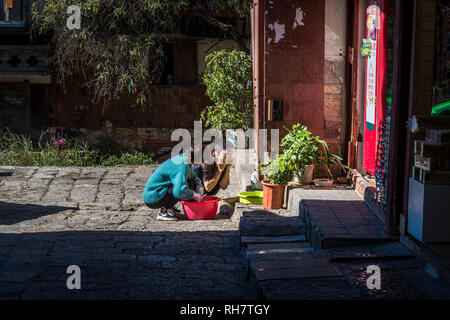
(328, 158)
(137, 158)
(301, 148)
(56, 150)
(276, 171)
(228, 81)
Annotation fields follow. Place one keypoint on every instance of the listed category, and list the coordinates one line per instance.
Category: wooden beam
(398, 134)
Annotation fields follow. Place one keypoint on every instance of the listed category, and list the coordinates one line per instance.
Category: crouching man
(172, 181)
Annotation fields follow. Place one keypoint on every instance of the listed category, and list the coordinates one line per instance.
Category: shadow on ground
(123, 265)
(6, 174)
(12, 213)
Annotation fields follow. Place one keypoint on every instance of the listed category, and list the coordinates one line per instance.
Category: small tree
(228, 80)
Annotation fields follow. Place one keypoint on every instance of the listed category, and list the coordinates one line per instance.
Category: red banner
(375, 93)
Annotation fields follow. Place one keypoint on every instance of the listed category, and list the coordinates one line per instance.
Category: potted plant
(301, 152)
(276, 176)
(325, 160)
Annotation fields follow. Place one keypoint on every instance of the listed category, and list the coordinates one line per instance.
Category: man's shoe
(166, 216)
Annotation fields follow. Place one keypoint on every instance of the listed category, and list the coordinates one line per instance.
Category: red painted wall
(294, 61)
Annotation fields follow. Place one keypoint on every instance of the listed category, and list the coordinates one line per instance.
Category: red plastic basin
(202, 210)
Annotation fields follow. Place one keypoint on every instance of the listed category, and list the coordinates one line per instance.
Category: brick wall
(172, 107)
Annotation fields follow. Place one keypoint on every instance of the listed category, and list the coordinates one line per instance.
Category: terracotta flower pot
(273, 195)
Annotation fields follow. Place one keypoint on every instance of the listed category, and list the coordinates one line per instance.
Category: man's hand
(197, 197)
(200, 190)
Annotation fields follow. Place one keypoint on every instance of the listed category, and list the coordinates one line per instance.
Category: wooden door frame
(351, 76)
(403, 59)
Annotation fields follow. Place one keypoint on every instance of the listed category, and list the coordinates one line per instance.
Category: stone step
(261, 248)
(388, 251)
(294, 269)
(284, 226)
(248, 254)
(335, 223)
(281, 256)
(272, 239)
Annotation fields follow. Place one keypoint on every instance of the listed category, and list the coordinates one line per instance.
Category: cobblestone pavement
(51, 218)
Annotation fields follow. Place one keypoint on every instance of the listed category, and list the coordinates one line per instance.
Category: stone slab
(272, 227)
(347, 222)
(289, 264)
(296, 273)
(384, 251)
(272, 239)
(281, 256)
(256, 247)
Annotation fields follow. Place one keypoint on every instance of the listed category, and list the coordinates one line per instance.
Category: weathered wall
(171, 107)
(294, 62)
(335, 60)
(302, 63)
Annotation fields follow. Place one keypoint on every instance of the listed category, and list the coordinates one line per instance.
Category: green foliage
(19, 150)
(301, 148)
(228, 79)
(119, 48)
(277, 171)
(328, 158)
(119, 42)
(128, 159)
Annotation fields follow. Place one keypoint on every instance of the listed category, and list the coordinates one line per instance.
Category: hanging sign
(373, 24)
(374, 48)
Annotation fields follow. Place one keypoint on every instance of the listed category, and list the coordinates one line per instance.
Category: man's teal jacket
(173, 172)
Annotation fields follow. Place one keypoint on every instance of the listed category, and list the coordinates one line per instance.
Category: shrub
(228, 80)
